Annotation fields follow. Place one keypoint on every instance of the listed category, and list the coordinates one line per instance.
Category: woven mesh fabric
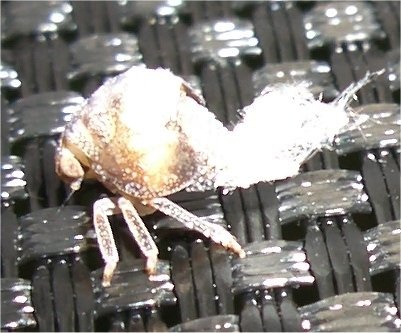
(319, 243)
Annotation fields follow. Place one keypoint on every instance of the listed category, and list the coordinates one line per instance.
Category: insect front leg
(107, 246)
(140, 233)
(210, 230)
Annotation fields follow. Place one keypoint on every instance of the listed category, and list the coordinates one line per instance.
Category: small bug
(146, 133)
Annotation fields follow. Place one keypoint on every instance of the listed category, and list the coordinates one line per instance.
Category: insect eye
(68, 167)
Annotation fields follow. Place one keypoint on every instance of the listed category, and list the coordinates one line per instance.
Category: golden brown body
(135, 146)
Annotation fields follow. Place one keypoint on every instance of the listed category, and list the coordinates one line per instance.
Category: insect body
(145, 134)
(130, 136)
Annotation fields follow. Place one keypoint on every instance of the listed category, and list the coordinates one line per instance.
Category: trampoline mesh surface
(323, 247)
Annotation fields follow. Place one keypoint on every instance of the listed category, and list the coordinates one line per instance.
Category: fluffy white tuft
(279, 131)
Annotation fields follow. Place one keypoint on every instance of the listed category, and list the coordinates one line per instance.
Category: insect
(146, 133)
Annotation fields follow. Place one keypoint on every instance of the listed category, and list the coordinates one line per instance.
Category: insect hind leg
(210, 230)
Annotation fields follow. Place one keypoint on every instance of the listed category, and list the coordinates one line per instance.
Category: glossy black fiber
(322, 247)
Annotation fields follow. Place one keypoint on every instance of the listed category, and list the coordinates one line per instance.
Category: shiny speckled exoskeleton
(129, 135)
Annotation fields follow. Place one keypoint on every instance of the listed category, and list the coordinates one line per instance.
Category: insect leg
(210, 230)
(140, 233)
(101, 209)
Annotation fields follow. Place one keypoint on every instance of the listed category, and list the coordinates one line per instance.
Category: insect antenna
(68, 198)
